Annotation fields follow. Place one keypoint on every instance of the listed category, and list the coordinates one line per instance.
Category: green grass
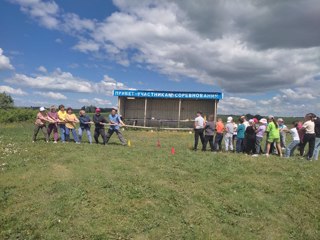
(69, 191)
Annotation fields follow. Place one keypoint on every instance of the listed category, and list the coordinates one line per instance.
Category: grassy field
(69, 191)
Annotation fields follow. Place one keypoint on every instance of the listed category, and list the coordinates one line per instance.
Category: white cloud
(45, 12)
(95, 102)
(13, 91)
(4, 62)
(57, 80)
(52, 95)
(107, 85)
(42, 69)
(87, 46)
(58, 40)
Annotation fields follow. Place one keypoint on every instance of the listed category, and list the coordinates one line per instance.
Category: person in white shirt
(199, 125)
(295, 140)
(309, 136)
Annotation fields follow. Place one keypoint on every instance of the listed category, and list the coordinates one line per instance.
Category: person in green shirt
(273, 135)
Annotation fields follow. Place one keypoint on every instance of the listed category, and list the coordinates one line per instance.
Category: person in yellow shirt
(71, 120)
(62, 123)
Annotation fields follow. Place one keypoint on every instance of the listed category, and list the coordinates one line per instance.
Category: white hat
(280, 120)
(263, 121)
(271, 117)
(251, 121)
(229, 119)
(42, 109)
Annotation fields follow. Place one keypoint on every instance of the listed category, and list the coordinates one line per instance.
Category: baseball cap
(271, 117)
(229, 119)
(42, 109)
(98, 110)
(280, 120)
(255, 120)
(251, 121)
(263, 120)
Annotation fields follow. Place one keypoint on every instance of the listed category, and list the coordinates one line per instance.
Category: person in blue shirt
(115, 122)
(85, 124)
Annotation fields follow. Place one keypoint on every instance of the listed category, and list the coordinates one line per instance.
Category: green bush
(17, 115)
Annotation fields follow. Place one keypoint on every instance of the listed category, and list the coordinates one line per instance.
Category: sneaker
(55, 142)
(77, 142)
(33, 141)
(267, 154)
(255, 155)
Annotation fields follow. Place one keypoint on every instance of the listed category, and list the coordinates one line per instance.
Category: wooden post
(145, 112)
(215, 110)
(179, 113)
(119, 106)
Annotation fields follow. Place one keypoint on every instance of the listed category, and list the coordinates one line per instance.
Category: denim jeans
(62, 132)
(218, 141)
(291, 147)
(239, 145)
(316, 149)
(283, 139)
(74, 133)
(80, 131)
(258, 144)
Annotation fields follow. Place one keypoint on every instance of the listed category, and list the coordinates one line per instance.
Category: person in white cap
(283, 132)
(40, 123)
(228, 137)
(259, 135)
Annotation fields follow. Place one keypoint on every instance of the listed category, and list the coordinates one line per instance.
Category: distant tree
(91, 109)
(6, 101)
(249, 116)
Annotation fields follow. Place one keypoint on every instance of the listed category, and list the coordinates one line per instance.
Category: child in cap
(209, 131)
(40, 123)
(283, 131)
(259, 134)
(85, 124)
(71, 121)
(228, 137)
(295, 140)
(53, 126)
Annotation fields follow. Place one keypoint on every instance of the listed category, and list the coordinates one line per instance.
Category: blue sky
(77, 52)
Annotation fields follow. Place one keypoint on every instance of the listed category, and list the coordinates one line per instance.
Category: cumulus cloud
(42, 69)
(107, 85)
(52, 95)
(4, 62)
(13, 91)
(57, 80)
(45, 12)
(65, 81)
(95, 102)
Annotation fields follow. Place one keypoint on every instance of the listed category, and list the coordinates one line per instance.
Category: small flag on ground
(129, 143)
(173, 151)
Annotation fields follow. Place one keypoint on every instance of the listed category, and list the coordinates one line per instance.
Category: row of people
(65, 120)
(247, 136)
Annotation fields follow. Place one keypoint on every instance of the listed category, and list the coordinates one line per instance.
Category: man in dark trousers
(199, 125)
(99, 122)
(115, 122)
